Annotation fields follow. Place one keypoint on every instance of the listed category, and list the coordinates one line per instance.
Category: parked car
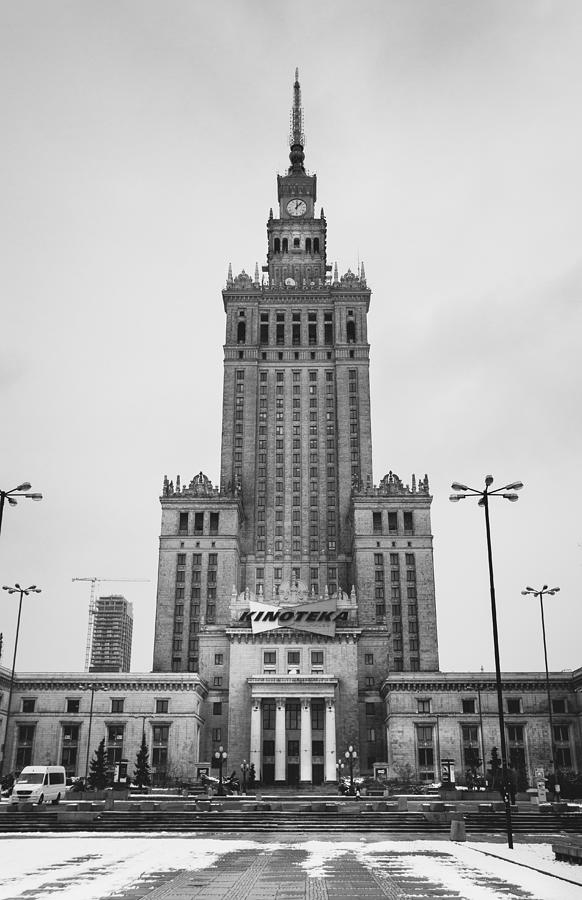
(39, 784)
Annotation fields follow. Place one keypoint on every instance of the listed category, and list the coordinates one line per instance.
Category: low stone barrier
(568, 849)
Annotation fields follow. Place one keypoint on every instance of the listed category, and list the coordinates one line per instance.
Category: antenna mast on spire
(297, 136)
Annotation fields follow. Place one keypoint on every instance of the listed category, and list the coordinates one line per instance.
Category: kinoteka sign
(319, 617)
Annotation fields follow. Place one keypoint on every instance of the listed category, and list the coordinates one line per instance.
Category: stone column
(305, 767)
(330, 751)
(255, 757)
(280, 754)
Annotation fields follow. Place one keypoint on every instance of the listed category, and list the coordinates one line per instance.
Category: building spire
(296, 136)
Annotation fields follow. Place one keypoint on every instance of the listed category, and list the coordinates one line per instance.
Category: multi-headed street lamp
(338, 767)
(33, 589)
(507, 493)
(551, 591)
(23, 490)
(351, 755)
(220, 756)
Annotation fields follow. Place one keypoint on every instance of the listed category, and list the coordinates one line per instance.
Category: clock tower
(296, 256)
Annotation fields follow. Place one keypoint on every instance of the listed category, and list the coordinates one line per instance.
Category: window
(28, 704)
(423, 706)
(214, 522)
(218, 659)
(468, 706)
(424, 738)
(217, 709)
(370, 709)
(371, 735)
(377, 522)
(379, 559)
(217, 681)
(25, 740)
(73, 704)
(181, 560)
(293, 748)
(408, 525)
(268, 716)
(317, 659)
(559, 706)
(471, 749)
(317, 715)
(563, 752)
(117, 704)
(70, 746)
(162, 706)
(114, 744)
(160, 751)
(513, 705)
(369, 681)
(183, 523)
(317, 748)
(268, 748)
(217, 734)
(369, 659)
(198, 523)
(292, 716)
(393, 529)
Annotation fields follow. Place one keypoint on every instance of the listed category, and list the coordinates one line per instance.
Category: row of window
(203, 523)
(387, 523)
(73, 704)
(469, 705)
(472, 748)
(70, 734)
(281, 245)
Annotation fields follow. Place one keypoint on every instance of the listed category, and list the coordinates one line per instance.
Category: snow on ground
(88, 867)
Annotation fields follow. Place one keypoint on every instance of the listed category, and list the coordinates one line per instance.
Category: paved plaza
(122, 867)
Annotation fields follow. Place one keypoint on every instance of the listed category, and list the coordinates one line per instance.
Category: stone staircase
(336, 820)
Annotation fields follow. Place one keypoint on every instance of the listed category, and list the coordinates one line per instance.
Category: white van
(39, 784)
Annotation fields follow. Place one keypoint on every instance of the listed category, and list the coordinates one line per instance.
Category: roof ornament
(335, 275)
(257, 274)
(229, 280)
(296, 135)
(362, 274)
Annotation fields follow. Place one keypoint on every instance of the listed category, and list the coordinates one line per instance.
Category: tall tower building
(296, 585)
(112, 633)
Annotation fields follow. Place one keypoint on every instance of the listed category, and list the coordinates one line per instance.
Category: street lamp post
(220, 756)
(508, 493)
(33, 589)
(23, 490)
(351, 755)
(551, 591)
(339, 766)
(244, 768)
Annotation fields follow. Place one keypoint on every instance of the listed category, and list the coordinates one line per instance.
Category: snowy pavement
(91, 867)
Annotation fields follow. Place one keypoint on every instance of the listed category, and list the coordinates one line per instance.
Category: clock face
(297, 207)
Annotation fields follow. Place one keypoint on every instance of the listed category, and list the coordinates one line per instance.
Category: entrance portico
(293, 728)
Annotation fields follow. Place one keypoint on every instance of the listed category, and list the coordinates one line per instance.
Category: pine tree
(141, 775)
(252, 776)
(98, 774)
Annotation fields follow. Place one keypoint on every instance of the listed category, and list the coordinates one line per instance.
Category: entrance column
(255, 757)
(330, 751)
(280, 755)
(305, 767)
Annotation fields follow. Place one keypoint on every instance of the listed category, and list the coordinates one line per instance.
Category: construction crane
(92, 608)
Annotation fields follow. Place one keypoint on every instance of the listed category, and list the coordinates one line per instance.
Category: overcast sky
(141, 141)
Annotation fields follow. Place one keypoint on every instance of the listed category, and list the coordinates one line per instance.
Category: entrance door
(268, 773)
(293, 773)
(317, 773)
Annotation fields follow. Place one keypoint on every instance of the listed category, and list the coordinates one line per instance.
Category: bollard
(458, 829)
(109, 801)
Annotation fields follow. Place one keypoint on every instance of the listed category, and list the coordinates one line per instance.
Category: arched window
(276, 245)
(241, 332)
(285, 245)
(351, 329)
(308, 245)
(316, 245)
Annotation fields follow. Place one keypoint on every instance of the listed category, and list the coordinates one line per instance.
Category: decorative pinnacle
(296, 136)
